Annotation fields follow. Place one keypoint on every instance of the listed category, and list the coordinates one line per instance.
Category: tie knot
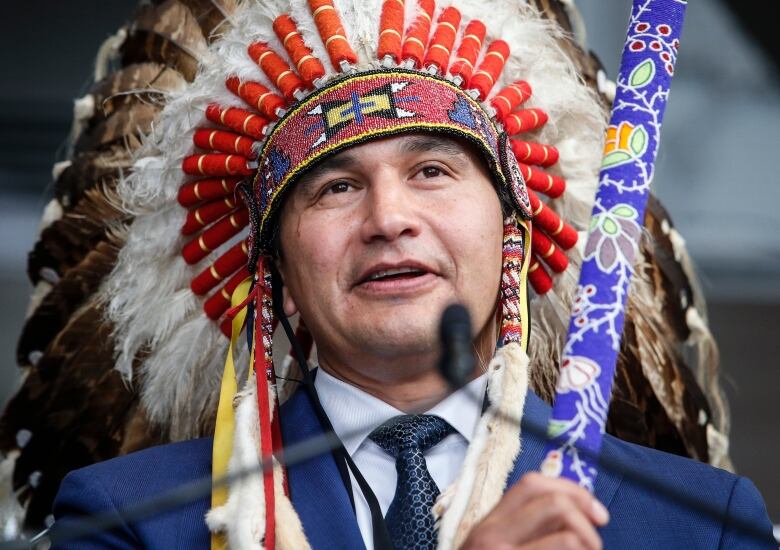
(418, 431)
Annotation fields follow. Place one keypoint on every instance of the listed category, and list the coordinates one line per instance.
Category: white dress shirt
(354, 414)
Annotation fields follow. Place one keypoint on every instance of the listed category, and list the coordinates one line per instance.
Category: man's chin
(400, 337)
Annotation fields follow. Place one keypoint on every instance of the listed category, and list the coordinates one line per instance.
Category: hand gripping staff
(587, 370)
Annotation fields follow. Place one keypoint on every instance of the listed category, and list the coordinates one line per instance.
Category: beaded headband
(370, 105)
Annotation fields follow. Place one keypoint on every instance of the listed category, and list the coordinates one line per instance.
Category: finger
(547, 514)
(557, 541)
(534, 484)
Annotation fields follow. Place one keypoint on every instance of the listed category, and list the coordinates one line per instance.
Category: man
(407, 246)
(380, 199)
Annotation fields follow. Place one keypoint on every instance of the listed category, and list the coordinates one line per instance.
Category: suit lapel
(317, 492)
(536, 415)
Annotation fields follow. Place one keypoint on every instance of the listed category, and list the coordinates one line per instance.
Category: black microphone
(457, 359)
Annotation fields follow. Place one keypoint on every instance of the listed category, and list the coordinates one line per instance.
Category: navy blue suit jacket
(642, 516)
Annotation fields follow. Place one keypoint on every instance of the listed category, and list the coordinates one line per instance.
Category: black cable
(342, 458)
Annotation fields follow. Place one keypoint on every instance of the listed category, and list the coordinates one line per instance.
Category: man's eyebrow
(422, 144)
(337, 162)
(410, 145)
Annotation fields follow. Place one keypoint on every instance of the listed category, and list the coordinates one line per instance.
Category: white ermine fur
(242, 518)
(491, 454)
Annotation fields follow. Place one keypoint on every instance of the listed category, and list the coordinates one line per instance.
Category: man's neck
(414, 392)
(407, 389)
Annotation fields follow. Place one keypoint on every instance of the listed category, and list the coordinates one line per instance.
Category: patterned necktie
(409, 519)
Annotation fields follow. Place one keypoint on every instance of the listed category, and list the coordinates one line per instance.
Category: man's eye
(338, 187)
(431, 172)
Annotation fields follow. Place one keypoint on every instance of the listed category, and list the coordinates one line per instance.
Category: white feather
(11, 510)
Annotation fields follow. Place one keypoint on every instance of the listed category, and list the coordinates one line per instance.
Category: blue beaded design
(409, 519)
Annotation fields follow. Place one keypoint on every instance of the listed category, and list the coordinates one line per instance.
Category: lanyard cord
(344, 462)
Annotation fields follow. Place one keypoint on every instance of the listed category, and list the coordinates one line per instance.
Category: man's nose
(391, 210)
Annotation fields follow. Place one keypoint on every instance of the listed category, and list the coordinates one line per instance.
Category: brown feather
(587, 64)
(174, 21)
(121, 128)
(137, 82)
(210, 14)
(657, 401)
(75, 406)
(654, 376)
(168, 34)
(68, 240)
(554, 11)
(52, 314)
(90, 169)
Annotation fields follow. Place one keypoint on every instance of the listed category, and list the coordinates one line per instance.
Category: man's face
(377, 240)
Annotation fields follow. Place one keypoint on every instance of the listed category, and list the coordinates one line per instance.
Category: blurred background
(716, 175)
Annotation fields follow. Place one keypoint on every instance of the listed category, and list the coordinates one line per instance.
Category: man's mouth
(397, 273)
(385, 273)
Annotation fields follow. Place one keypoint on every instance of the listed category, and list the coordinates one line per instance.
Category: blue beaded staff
(587, 370)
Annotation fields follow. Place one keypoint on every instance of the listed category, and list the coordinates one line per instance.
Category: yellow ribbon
(223, 432)
(523, 290)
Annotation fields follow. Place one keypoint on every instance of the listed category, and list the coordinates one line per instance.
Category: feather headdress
(209, 81)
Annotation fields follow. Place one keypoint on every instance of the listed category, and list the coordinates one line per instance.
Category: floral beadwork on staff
(590, 354)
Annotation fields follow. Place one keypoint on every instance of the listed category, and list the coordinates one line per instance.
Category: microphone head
(455, 320)
(457, 359)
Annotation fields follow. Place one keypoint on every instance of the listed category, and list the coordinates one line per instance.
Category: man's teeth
(392, 272)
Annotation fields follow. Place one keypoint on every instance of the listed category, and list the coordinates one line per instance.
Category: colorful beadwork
(265, 378)
(366, 106)
(514, 314)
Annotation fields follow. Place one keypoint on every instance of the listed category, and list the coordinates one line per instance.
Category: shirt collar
(354, 413)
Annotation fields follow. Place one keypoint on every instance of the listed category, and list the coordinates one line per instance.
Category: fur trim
(288, 373)
(241, 519)
(492, 453)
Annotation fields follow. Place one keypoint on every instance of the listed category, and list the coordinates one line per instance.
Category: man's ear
(288, 303)
(289, 306)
